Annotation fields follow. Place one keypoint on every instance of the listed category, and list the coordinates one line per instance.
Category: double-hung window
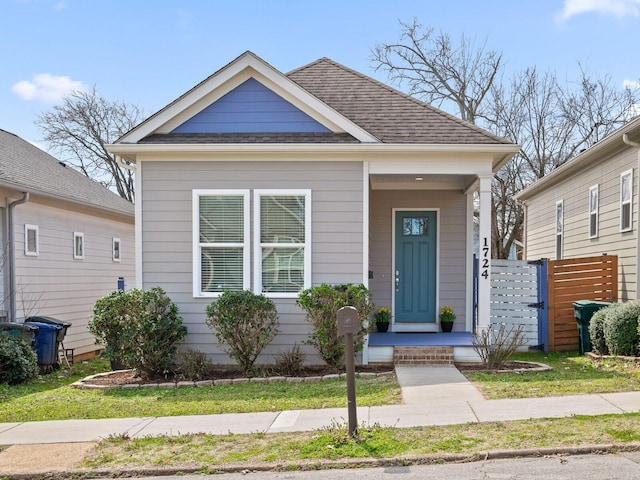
(282, 242)
(221, 241)
(559, 228)
(626, 196)
(593, 211)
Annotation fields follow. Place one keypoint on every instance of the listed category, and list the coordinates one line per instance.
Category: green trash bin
(583, 310)
(19, 330)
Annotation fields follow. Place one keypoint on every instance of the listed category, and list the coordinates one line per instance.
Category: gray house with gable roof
(66, 240)
(256, 179)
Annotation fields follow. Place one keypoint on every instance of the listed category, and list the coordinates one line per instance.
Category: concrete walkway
(432, 396)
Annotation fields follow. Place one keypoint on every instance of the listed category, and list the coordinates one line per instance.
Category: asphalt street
(622, 466)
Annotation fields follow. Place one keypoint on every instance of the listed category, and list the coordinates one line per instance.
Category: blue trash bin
(46, 344)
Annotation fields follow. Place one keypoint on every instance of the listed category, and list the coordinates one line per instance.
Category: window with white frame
(626, 196)
(559, 228)
(594, 200)
(282, 228)
(116, 249)
(31, 240)
(78, 245)
(221, 223)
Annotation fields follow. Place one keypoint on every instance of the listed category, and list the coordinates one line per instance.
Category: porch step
(423, 355)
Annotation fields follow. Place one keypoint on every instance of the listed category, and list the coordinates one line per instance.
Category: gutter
(12, 259)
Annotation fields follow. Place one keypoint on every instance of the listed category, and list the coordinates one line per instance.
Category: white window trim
(246, 245)
(115, 240)
(560, 233)
(77, 235)
(257, 251)
(630, 202)
(27, 229)
(596, 212)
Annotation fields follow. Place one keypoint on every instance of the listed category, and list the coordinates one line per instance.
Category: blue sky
(150, 52)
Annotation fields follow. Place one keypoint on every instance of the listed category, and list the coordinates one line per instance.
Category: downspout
(625, 139)
(137, 217)
(12, 257)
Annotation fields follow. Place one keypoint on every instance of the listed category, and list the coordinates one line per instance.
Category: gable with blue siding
(251, 108)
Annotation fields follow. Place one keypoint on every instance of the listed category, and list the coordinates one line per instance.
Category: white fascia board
(382, 152)
(220, 83)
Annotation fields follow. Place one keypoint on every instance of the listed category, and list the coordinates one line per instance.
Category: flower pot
(446, 326)
(382, 326)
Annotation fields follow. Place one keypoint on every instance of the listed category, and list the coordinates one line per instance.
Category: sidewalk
(432, 396)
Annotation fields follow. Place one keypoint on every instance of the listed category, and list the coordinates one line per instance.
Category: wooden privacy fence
(539, 295)
(573, 279)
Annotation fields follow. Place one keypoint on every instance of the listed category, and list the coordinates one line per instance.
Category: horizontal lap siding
(336, 198)
(53, 283)
(540, 235)
(452, 246)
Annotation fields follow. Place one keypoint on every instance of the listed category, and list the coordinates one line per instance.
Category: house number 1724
(485, 258)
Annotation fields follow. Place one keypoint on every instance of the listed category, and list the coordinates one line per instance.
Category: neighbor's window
(221, 256)
(593, 211)
(31, 240)
(282, 226)
(626, 195)
(78, 245)
(559, 228)
(116, 249)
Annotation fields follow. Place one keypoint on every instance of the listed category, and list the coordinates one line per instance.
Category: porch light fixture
(419, 179)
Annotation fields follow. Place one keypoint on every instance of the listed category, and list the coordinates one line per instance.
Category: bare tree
(80, 128)
(552, 121)
(439, 71)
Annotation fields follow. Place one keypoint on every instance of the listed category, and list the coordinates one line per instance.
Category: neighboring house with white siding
(273, 182)
(66, 240)
(589, 206)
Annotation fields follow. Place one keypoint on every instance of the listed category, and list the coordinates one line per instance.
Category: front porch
(420, 348)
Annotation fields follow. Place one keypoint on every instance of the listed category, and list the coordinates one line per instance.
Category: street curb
(79, 474)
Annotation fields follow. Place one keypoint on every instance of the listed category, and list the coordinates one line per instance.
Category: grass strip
(333, 443)
(571, 375)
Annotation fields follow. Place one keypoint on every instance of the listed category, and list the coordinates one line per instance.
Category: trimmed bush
(322, 304)
(194, 365)
(596, 330)
(18, 361)
(244, 323)
(621, 328)
(139, 328)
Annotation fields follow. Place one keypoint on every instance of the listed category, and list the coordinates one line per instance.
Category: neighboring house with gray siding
(589, 206)
(66, 240)
(273, 182)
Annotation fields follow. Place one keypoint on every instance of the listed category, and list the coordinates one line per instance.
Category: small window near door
(559, 228)
(31, 240)
(414, 227)
(78, 246)
(626, 195)
(593, 211)
(116, 250)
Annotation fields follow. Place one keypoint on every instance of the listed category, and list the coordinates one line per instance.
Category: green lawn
(51, 397)
(571, 375)
(295, 450)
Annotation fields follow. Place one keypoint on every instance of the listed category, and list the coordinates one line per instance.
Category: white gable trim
(222, 82)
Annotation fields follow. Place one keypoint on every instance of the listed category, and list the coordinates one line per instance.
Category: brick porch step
(423, 355)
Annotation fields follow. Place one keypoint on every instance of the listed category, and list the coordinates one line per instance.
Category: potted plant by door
(382, 318)
(446, 318)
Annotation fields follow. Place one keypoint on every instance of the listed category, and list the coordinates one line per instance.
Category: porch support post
(484, 253)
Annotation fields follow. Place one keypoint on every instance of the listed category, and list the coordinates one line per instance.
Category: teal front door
(415, 267)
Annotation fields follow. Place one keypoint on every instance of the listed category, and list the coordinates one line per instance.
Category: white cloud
(46, 87)
(631, 84)
(618, 8)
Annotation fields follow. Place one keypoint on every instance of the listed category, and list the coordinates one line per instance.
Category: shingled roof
(25, 167)
(386, 113)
